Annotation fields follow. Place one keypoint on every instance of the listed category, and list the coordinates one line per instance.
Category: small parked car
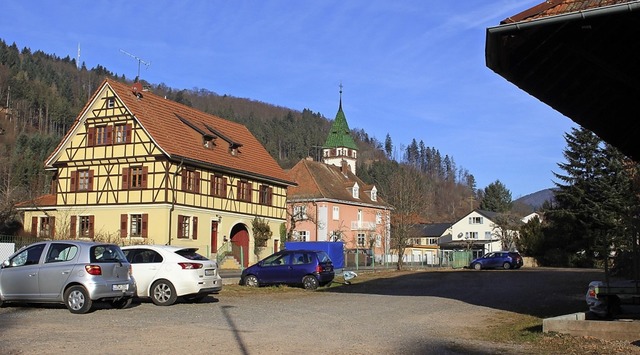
(620, 296)
(306, 268)
(498, 259)
(166, 272)
(72, 272)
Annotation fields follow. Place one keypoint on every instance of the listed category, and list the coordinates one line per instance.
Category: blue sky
(411, 69)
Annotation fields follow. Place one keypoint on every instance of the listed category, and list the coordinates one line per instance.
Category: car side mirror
(5, 263)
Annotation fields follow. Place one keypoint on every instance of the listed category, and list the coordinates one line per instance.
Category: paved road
(417, 313)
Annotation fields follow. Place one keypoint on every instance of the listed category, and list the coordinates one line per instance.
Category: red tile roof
(317, 180)
(161, 119)
(560, 7)
(40, 201)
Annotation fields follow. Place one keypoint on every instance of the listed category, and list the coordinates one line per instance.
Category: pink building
(331, 203)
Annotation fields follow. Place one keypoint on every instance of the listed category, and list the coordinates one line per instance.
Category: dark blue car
(306, 268)
(498, 259)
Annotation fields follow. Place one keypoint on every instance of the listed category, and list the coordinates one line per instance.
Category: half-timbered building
(140, 168)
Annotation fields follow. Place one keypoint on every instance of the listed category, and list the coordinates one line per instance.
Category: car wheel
(163, 293)
(310, 282)
(251, 281)
(122, 303)
(195, 298)
(477, 266)
(506, 266)
(77, 300)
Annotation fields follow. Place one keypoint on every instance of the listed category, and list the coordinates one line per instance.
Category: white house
(476, 231)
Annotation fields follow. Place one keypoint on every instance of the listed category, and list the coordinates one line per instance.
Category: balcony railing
(361, 225)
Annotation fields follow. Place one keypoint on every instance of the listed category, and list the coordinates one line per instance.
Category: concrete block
(578, 324)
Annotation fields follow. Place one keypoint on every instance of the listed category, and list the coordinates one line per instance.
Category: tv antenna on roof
(147, 64)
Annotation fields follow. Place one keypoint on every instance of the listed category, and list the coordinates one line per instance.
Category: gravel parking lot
(400, 313)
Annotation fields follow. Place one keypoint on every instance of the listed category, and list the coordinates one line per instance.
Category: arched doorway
(240, 244)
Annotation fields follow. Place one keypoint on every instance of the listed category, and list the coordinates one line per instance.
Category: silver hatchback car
(75, 273)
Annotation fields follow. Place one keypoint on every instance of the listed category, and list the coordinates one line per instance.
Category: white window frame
(300, 212)
(133, 222)
(301, 236)
(471, 235)
(336, 213)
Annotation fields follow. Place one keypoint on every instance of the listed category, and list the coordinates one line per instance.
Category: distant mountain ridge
(537, 199)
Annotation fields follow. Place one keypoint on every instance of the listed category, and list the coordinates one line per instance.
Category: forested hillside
(41, 95)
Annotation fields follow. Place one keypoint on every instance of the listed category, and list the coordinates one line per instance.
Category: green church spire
(340, 135)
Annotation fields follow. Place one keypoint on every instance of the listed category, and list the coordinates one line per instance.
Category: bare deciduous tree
(505, 227)
(407, 195)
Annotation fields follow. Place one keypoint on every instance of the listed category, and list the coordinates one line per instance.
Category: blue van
(306, 268)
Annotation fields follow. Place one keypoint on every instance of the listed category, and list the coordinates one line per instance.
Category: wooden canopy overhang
(581, 59)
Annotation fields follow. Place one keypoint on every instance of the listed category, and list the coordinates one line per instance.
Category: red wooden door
(214, 237)
(240, 241)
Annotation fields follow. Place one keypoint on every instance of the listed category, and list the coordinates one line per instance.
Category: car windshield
(190, 254)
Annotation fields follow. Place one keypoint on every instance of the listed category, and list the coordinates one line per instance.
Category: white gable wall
(476, 228)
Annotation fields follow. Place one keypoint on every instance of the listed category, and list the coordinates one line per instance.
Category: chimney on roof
(344, 167)
(137, 89)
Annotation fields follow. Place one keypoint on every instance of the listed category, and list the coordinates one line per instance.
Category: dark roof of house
(317, 180)
(489, 214)
(429, 229)
(579, 57)
(178, 130)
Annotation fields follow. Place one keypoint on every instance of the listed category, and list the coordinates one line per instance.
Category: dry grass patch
(522, 329)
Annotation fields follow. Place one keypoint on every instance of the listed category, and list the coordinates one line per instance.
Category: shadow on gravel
(540, 292)
(181, 300)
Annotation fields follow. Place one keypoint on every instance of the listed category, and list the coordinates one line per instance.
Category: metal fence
(11, 243)
(18, 240)
(455, 259)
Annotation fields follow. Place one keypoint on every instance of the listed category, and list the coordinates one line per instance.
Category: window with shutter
(34, 226)
(195, 228)
(123, 225)
(72, 227)
(145, 222)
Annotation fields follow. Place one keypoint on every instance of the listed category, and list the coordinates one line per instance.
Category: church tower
(340, 149)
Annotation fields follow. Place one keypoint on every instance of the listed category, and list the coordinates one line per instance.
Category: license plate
(123, 287)
(209, 272)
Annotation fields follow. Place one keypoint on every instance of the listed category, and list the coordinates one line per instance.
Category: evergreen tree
(388, 146)
(497, 198)
(594, 200)
(531, 238)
